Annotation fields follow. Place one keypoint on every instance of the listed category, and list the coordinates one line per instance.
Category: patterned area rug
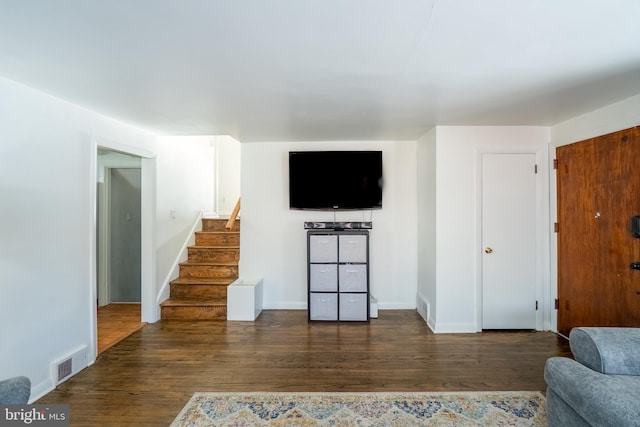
(364, 409)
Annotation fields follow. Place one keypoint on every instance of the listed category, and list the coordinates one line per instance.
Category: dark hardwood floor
(146, 379)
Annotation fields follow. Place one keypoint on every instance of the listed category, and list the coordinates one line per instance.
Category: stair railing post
(234, 215)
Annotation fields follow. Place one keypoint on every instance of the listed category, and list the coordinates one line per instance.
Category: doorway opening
(122, 293)
(118, 222)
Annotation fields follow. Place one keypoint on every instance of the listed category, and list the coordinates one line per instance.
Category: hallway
(116, 322)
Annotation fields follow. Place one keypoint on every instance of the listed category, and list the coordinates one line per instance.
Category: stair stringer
(163, 293)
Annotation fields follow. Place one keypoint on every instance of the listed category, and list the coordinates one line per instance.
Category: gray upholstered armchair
(602, 386)
(15, 391)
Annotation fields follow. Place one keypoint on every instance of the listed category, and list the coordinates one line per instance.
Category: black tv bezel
(343, 156)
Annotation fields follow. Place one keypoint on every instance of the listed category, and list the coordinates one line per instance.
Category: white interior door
(508, 241)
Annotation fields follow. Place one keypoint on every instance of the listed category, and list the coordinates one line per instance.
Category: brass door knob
(488, 250)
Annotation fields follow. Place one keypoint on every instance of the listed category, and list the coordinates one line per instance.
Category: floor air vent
(64, 369)
(68, 365)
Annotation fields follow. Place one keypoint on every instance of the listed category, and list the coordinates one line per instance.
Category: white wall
(227, 174)
(426, 200)
(612, 118)
(47, 220)
(273, 239)
(185, 189)
(457, 271)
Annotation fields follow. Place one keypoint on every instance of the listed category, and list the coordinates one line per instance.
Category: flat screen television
(335, 180)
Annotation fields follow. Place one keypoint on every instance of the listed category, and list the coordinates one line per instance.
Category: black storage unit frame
(338, 275)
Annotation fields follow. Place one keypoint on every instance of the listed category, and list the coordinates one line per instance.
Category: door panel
(509, 241)
(598, 190)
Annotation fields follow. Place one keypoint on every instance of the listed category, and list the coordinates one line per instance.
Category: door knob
(488, 250)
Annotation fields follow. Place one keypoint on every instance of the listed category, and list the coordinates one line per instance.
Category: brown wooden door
(598, 183)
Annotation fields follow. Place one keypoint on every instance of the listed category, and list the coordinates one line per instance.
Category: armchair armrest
(614, 351)
(15, 391)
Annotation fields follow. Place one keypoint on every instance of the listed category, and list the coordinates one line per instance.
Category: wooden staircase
(200, 291)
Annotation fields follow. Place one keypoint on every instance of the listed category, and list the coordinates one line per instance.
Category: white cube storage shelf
(338, 275)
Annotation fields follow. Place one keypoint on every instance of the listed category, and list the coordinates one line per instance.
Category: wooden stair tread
(200, 290)
(203, 281)
(194, 302)
(213, 247)
(198, 263)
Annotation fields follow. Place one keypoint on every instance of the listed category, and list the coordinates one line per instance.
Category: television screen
(335, 180)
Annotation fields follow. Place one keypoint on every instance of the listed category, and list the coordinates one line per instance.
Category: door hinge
(535, 169)
(555, 163)
(555, 227)
(536, 305)
(556, 304)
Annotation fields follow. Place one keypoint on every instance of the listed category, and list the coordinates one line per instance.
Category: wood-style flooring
(116, 322)
(146, 379)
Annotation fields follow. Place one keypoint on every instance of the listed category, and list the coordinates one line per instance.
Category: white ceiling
(294, 70)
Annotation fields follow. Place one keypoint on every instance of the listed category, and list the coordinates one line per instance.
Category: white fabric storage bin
(353, 306)
(353, 248)
(323, 277)
(353, 277)
(323, 306)
(323, 248)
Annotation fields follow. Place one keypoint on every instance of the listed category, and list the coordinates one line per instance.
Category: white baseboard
(285, 306)
(78, 361)
(395, 306)
(454, 328)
